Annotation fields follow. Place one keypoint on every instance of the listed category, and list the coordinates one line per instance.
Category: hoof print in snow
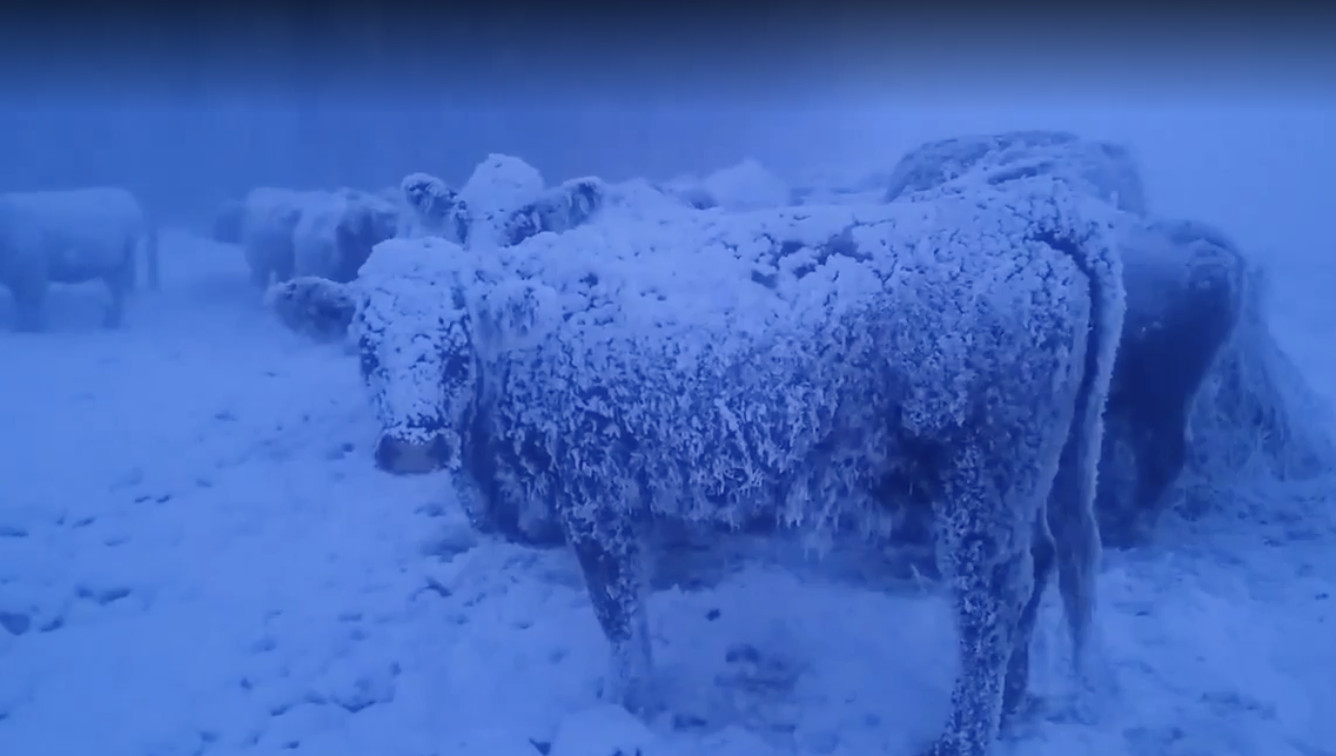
(451, 542)
(366, 689)
(16, 624)
(689, 723)
(102, 596)
(712, 615)
(542, 746)
(749, 668)
(13, 531)
(225, 416)
(605, 730)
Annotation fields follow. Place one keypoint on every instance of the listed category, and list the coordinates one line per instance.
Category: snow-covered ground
(197, 557)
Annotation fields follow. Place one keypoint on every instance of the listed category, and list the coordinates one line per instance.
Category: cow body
(71, 237)
(955, 357)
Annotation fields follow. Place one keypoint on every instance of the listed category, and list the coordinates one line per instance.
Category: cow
(269, 217)
(335, 232)
(73, 236)
(436, 209)
(813, 368)
(1186, 284)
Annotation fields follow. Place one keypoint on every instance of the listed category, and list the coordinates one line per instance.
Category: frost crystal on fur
(814, 367)
(1203, 397)
(437, 209)
(1100, 169)
(499, 186)
(561, 208)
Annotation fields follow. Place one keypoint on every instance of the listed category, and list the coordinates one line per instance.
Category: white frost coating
(572, 203)
(498, 187)
(434, 209)
(313, 305)
(784, 365)
(72, 236)
(1100, 169)
(1204, 396)
(638, 199)
(1260, 437)
(747, 185)
(315, 235)
(407, 328)
(337, 230)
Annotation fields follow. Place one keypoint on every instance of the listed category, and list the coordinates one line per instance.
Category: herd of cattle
(1002, 356)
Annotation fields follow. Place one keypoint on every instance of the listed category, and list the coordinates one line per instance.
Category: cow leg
(1161, 457)
(119, 285)
(131, 265)
(609, 549)
(985, 552)
(1014, 692)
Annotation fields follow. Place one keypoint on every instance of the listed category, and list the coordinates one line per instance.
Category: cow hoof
(640, 699)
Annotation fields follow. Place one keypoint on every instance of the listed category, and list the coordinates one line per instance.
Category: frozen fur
(1101, 169)
(336, 231)
(813, 367)
(1204, 400)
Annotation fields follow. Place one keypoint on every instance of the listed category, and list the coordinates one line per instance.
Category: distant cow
(336, 232)
(73, 236)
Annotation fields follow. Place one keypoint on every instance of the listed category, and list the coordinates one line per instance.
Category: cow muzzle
(405, 457)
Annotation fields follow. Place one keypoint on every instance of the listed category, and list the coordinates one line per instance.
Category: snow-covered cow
(73, 236)
(503, 203)
(816, 368)
(288, 232)
(561, 208)
(1102, 169)
(437, 209)
(1186, 286)
(269, 217)
(335, 232)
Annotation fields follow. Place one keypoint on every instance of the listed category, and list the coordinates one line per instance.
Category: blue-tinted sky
(1239, 135)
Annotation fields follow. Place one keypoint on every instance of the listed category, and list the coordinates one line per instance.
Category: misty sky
(1226, 140)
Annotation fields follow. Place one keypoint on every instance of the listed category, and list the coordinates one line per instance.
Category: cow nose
(404, 457)
(387, 451)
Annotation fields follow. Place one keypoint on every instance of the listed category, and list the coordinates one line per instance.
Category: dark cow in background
(69, 237)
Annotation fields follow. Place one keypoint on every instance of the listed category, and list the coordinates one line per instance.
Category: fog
(1226, 132)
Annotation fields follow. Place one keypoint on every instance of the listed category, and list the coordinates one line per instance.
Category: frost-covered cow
(1186, 287)
(73, 236)
(269, 217)
(815, 368)
(335, 232)
(436, 209)
(561, 208)
(1102, 169)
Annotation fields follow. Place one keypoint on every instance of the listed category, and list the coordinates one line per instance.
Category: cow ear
(516, 313)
